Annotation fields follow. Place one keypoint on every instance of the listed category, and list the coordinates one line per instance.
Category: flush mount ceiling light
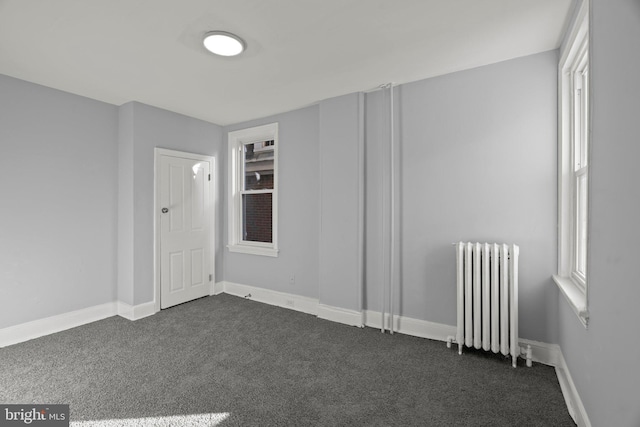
(223, 43)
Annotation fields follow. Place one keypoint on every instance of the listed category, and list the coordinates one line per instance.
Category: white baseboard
(547, 354)
(267, 296)
(410, 326)
(136, 312)
(292, 302)
(340, 315)
(50, 325)
(216, 288)
(570, 393)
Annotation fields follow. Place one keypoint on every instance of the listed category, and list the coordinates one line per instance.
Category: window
(253, 190)
(573, 175)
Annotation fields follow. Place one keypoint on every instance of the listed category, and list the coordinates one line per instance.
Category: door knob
(165, 210)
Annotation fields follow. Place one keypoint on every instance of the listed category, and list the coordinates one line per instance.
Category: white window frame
(237, 140)
(573, 165)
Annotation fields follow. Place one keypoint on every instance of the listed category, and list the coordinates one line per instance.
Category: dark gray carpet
(268, 366)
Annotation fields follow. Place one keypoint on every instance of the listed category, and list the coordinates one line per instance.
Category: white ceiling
(299, 51)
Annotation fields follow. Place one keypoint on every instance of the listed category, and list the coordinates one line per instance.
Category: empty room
(322, 213)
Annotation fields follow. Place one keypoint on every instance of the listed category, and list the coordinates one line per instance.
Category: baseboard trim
(570, 393)
(340, 315)
(50, 325)
(293, 302)
(216, 288)
(136, 312)
(267, 296)
(547, 354)
(410, 326)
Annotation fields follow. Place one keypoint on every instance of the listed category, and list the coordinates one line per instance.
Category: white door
(185, 237)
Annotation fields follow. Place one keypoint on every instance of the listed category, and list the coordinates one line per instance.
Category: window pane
(258, 165)
(578, 117)
(257, 217)
(581, 224)
(584, 122)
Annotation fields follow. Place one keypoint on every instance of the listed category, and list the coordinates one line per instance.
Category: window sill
(576, 298)
(253, 250)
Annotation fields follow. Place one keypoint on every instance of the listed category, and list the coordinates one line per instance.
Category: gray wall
(477, 153)
(298, 218)
(142, 128)
(474, 122)
(125, 204)
(77, 185)
(58, 186)
(483, 138)
(603, 359)
(341, 197)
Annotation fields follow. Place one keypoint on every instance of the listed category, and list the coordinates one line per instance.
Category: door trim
(156, 215)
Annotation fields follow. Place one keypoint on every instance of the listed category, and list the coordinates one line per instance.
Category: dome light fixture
(223, 43)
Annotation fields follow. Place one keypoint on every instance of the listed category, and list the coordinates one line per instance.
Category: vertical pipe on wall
(388, 212)
(383, 291)
(361, 202)
(392, 208)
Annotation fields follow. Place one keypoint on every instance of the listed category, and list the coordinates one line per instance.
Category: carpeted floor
(227, 361)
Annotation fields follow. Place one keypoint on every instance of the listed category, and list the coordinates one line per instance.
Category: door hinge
(210, 277)
(209, 177)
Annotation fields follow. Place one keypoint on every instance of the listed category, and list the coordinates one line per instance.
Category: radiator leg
(514, 361)
(449, 339)
(529, 363)
(459, 348)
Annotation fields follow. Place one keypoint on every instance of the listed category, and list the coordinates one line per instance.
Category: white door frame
(157, 213)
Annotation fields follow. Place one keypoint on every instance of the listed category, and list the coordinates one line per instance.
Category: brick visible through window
(257, 218)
